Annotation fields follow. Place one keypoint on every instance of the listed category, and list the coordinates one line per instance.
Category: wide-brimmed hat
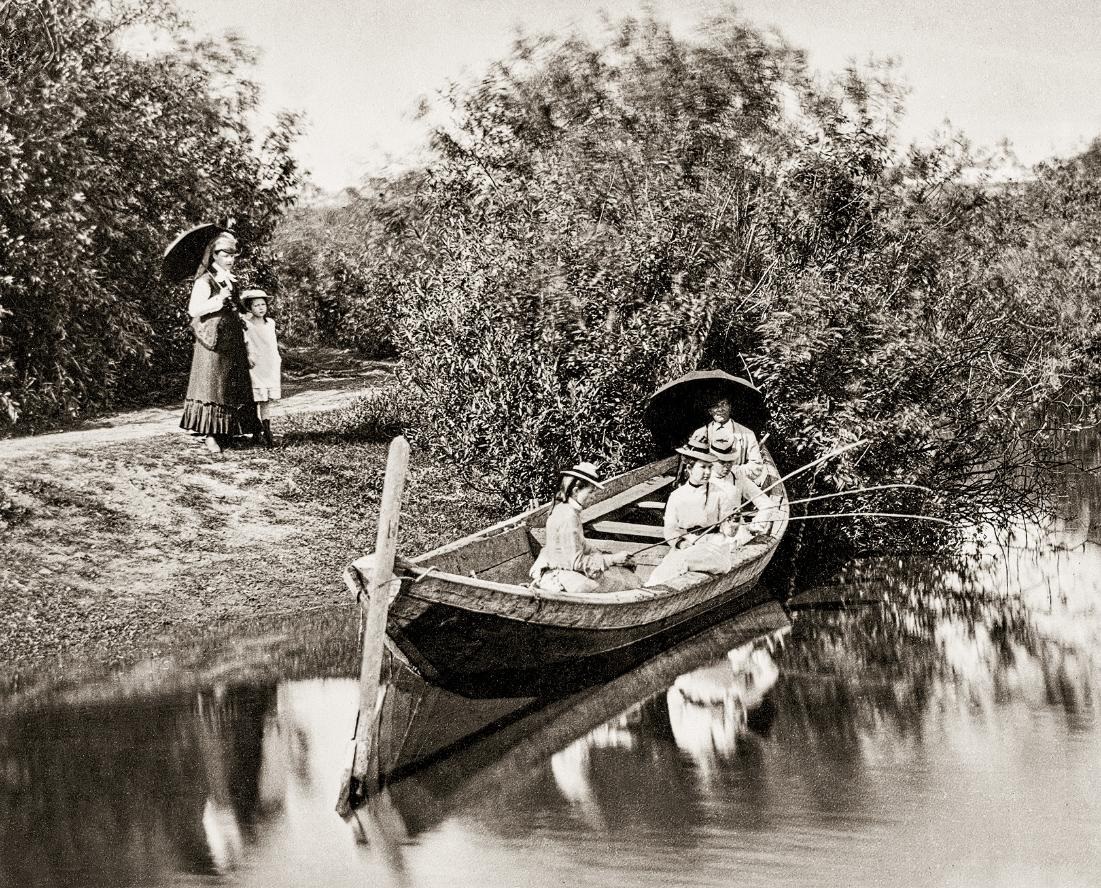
(585, 471)
(723, 452)
(248, 295)
(696, 449)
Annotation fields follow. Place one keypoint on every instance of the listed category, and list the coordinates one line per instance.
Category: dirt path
(309, 393)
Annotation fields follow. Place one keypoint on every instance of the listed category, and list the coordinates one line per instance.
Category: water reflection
(923, 722)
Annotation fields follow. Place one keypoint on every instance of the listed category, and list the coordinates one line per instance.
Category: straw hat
(696, 449)
(723, 452)
(249, 295)
(585, 471)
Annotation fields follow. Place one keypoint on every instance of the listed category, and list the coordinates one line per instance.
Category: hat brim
(588, 479)
(701, 455)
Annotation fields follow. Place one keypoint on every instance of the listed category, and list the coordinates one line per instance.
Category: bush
(337, 265)
(105, 154)
(378, 416)
(604, 217)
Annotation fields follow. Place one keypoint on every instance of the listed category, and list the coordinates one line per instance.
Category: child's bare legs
(263, 410)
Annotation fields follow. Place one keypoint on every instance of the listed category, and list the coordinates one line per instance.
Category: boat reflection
(710, 707)
(441, 752)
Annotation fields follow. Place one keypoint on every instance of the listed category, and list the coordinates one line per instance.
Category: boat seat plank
(647, 531)
(482, 554)
(614, 486)
(628, 497)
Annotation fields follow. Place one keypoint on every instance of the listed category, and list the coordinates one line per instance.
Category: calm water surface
(939, 729)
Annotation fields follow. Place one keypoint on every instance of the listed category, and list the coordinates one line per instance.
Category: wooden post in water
(363, 775)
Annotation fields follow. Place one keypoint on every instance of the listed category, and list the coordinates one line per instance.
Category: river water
(916, 723)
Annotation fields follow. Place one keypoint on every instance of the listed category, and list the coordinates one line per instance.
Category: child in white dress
(265, 364)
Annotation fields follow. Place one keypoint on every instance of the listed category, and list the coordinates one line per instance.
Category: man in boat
(568, 563)
(693, 515)
(729, 436)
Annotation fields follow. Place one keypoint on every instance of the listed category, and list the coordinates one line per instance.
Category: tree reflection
(129, 793)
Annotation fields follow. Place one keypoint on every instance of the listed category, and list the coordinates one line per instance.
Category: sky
(1021, 70)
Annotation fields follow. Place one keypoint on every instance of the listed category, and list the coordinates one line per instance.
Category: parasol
(680, 407)
(184, 254)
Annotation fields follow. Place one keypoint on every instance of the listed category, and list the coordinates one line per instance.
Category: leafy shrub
(378, 416)
(105, 154)
(336, 266)
(601, 218)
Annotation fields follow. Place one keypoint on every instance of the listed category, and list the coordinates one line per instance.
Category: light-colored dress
(263, 347)
(568, 563)
(691, 506)
(736, 492)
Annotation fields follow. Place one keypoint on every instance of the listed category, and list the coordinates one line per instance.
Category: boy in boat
(568, 563)
(723, 433)
(734, 491)
(693, 515)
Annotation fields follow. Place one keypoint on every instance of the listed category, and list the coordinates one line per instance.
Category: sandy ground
(318, 390)
(122, 538)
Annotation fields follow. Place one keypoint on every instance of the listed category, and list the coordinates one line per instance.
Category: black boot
(267, 434)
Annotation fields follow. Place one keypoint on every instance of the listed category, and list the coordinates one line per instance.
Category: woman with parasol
(219, 390)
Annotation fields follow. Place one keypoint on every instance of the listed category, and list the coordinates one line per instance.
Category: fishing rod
(869, 515)
(811, 465)
(711, 527)
(822, 496)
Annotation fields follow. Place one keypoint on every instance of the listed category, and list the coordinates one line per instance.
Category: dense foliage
(337, 267)
(117, 130)
(602, 217)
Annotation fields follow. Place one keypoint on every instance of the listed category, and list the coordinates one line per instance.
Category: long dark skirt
(219, 391)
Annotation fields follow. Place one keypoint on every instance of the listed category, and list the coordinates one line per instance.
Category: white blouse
(207, 298)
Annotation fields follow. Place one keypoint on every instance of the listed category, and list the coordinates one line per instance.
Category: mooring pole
(363, 775)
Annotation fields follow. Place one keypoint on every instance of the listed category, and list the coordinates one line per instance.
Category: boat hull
(488, 655)
(465, 616)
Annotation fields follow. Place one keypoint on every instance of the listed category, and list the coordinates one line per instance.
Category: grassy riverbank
(119, 553)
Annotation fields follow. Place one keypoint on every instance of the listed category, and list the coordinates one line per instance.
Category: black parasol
(679, 407)
(184, 254)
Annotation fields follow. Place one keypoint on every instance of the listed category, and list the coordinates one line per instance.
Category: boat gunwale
(510, 595)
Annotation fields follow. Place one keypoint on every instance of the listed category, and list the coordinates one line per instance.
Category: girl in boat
(693, 516)
(568, 563)
(219, 390)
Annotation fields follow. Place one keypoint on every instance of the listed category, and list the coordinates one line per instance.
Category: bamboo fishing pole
(791, 474)
(869, 515)
(822, 496)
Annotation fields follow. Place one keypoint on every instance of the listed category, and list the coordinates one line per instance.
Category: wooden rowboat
(464, 616)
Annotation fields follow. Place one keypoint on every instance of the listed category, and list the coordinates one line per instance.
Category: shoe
(212, 444)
